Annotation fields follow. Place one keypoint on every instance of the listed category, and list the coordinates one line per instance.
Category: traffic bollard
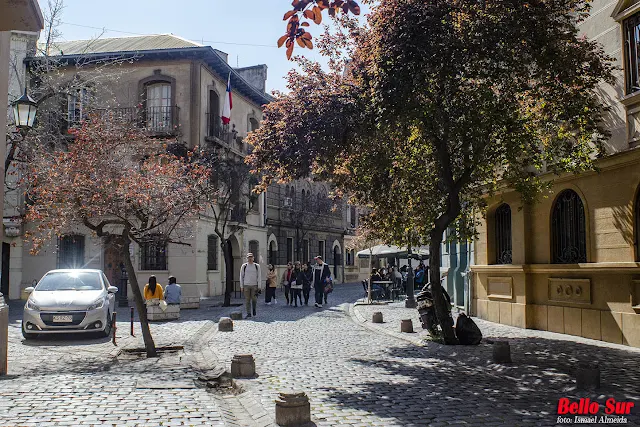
(113, 328)
(132, 322)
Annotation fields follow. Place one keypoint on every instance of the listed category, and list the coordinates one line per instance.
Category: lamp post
(24, 112)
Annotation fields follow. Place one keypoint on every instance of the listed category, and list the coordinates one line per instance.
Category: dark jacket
(308, 278)
(320, 278)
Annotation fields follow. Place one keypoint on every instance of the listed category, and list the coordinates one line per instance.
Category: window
(321, 247)
(71, 251)
(303, 200)
(252, 124)
(568, 228)
(350, 256)
(503, 234)
(289, 249)
(77, 106)
(632, 44)
(254, 248)
(352, 219)
(272, 253)
(158, 108)
(154, 255)
(212, 252)
(305, 250)
(214, 122)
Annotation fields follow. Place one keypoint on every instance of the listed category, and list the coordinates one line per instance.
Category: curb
(360, 320)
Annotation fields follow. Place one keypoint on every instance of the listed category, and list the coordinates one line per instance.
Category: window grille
(503, 234)
(212, 252)
(568, 228)
(71, 251)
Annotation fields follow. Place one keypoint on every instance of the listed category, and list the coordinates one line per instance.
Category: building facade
(175, 89)
(570, 263)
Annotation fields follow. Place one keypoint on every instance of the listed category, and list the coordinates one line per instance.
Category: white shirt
(250, 274)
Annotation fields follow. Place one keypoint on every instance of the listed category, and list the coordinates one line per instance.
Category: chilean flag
(228, 104)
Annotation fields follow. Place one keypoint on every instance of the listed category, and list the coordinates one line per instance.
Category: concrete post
(236, 315)
(225, 324)
(410, 302)
(588, 376)
(4, 335)
(293, 409)
(243, 366)
(377, 317)
(501, 352)
(406, 325)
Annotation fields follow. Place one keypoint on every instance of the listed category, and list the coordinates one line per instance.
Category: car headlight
(96, 305)
(31, 305)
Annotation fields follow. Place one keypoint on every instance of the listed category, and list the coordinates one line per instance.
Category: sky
(247, 30)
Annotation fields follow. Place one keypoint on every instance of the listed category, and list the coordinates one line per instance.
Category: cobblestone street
(355, 373)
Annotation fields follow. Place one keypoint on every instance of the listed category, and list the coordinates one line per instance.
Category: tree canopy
(440, 102)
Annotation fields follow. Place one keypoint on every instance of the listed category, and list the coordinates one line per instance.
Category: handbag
(328, 288)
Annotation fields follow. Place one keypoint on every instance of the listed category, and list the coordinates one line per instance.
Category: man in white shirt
(250, 279)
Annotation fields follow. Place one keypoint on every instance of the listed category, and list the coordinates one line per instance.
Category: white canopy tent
(391, 251)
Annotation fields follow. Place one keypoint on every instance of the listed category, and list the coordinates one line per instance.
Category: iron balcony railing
(155, 120)
(238, 213)
(216, 129)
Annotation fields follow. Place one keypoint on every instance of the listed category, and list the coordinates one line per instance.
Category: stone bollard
(588, 376)
(4, 335)
(406, 325)
(225, 325)
(243, 366)
(293, 408)
(501, 352)
(236, 315)
(377, 317)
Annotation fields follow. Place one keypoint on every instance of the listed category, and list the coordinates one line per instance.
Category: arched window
(303, 199)
(272, 253)
(503, 234)
(568, 229)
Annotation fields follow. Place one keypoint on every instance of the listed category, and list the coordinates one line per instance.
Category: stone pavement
(355, 373)
(355, 376)
(70, 380)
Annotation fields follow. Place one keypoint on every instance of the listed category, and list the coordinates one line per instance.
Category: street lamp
(24, 112)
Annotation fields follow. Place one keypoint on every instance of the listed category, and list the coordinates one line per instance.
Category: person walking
(250, 277)
(173, 292)
(321, 274)
(272, 283)
(308, 279)
(297, 283)
(286, 282)
(153, 290)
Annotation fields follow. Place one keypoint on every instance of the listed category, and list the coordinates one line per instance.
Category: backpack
(467, 331)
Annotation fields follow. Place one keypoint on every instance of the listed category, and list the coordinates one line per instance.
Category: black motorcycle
(426, 307)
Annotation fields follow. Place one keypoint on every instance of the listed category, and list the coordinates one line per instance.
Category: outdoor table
(385, 284)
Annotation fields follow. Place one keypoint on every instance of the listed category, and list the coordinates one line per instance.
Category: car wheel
(107, 328)
(28, 335)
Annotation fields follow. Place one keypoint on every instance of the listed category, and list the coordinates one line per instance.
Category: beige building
(569, 264)
(175, 89)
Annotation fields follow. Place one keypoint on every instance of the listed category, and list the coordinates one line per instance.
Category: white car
(67, 301)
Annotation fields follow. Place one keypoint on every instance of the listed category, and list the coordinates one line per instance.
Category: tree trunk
(228, 271)
(443, 309)
(140, 306)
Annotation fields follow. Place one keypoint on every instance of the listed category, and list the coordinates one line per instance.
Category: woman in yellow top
(272, 282)
(153, 290)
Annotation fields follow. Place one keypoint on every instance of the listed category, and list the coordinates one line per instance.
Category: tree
(230, 186)
(442, 103)
(121, 185)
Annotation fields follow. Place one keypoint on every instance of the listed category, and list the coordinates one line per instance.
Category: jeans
(296, 295)
(250, 297)
(319, 294)
(306, 290)
(287, 292)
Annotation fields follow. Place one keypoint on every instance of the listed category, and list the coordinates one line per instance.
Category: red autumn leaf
(308, 43)
(309, 14)
(305, 24)
(318, 15)
(354, 7)
(282, 39)
(289, 50)
(300, 41)
(288, 15)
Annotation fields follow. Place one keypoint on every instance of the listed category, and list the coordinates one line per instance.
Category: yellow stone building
(570, 263)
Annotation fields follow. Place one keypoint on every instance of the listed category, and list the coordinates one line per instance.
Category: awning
(392, 251)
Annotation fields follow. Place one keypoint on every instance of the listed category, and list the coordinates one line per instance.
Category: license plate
(62, 319)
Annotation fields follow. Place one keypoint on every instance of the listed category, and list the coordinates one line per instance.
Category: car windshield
(70, 281)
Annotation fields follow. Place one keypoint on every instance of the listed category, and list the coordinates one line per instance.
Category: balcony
(216, 129)
(238, 213)
(157, 121)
